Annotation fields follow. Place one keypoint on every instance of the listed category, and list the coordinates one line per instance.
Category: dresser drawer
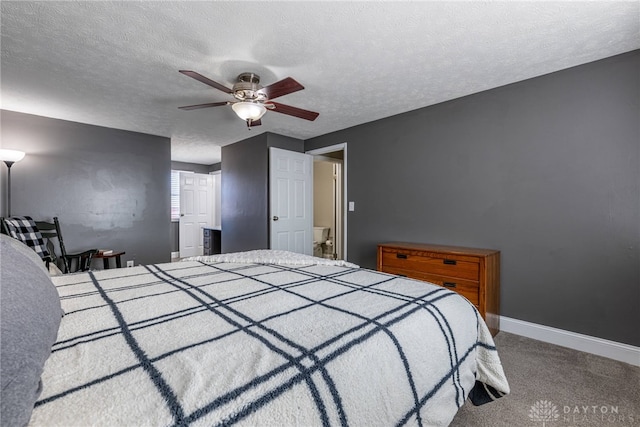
(449, 266)
(467, 288)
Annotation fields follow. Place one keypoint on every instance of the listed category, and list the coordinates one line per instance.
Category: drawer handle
(450, 261)
(449, 284)
(401, 256)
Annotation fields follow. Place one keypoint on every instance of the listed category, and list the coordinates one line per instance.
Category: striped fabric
(24, 228)
(215, 343)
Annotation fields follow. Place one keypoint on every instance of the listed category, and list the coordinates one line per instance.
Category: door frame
(330, 149)
(216, 214)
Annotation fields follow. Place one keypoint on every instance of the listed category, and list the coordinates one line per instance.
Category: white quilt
(270, 256)
(227, 343)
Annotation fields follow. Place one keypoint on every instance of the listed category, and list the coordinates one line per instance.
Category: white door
(196, 205)
(290, 204)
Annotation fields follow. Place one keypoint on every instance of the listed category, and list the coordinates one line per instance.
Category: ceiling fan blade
(294, 111)
(206, 80)
(283, 87)
(211, 104)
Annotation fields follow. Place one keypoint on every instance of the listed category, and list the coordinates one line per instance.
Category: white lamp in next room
(9, 157)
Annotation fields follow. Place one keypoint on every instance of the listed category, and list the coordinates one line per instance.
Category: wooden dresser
(471, 272)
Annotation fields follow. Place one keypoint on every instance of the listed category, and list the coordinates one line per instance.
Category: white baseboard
(601, 347)
(175, 255)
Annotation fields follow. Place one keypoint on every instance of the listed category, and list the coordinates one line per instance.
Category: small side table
(107, 257)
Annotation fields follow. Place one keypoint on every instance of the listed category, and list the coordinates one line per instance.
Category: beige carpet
(553, 386)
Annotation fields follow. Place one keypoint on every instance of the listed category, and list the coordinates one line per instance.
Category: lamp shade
(11, 155)
(249, 110)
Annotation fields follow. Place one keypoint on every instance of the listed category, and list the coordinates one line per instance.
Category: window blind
(175, 195)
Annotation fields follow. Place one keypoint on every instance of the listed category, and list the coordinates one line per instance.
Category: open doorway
(329, 195)
(178, 207)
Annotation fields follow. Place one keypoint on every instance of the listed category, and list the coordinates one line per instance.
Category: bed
(262, 338)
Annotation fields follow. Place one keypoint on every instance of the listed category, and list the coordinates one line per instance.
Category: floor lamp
(9, 157)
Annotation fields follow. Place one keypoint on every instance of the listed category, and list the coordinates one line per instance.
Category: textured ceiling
(116, 64)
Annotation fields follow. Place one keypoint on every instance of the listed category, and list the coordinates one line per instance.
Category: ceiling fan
(253, 100)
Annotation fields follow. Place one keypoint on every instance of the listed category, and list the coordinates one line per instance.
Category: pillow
(54, 270)
(26, 251)
(25, 229)
(30, 315)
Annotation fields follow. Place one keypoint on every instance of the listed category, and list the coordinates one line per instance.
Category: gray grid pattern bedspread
(196, 343)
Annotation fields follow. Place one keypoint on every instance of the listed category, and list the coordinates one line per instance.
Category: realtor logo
(544, 411)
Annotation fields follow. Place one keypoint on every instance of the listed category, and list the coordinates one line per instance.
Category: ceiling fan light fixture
(249, 110)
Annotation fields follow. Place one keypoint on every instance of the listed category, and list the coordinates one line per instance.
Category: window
(175, 195)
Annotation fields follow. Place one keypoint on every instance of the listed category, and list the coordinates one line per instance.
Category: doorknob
(275, 218)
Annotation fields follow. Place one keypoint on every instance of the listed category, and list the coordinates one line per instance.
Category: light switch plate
(352, 206)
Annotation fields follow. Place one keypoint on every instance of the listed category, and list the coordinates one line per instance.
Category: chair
(39, 234)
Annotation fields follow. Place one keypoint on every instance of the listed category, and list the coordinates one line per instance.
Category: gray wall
(245, 190)
(109, 188)
(545, 170)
